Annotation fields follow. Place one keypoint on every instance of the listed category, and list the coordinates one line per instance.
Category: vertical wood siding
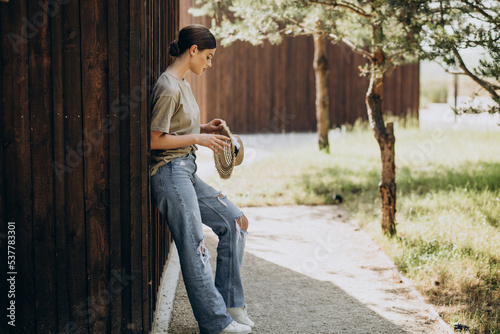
(75, 80)
(271, 88)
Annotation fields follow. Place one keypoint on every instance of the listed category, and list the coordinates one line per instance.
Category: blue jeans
(187, 202)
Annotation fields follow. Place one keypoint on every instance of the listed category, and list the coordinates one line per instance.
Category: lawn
(448, 207)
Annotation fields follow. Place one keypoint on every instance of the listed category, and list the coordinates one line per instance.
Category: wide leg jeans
(187, 202)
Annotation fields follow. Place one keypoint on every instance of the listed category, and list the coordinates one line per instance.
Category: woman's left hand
(212, 126)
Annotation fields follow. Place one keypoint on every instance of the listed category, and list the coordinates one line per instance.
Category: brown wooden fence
(271, 88)
(74, 182)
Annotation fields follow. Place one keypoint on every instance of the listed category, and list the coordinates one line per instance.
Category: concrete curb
(166, 293)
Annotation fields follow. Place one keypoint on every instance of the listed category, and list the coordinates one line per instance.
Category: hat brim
(239, 151)
(224, 160)
(227, 159)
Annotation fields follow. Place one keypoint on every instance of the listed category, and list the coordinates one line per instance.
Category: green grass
(448, 207)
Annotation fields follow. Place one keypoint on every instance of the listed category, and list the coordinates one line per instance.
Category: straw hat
(230, 156)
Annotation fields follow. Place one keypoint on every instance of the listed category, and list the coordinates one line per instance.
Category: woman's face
(200, 60)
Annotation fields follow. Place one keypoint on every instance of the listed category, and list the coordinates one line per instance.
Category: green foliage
(363, 26)
(449, 27)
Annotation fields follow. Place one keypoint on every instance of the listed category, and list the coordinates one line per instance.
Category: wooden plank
(136, 94)
(304, 113)
(342, 83)
(404, 89)
(267, 79)
(258, 104)
(309, 107)
(156, 11)
(272, 80)
(17, 152)
(244, 65)
(146, 236)
(340, 110)
(115, 113)
(416, 94)
(400, 88)
(40, 87)
(335, 56)
(252, 96)
(4, 102)
(281, 78)
(61, 242)
(154, 211)
(125, 153)
(391, 93)
(145, 157)
(94, 53)
(231, 85)
(73, 176)
(3, 223)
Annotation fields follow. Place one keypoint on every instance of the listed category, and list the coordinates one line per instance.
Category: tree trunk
(322, 97)
(385, 138)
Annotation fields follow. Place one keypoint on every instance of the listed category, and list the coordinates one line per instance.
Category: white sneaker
(240, 315)
(236, 328)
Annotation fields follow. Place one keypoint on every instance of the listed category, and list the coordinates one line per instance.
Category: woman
(186, 201)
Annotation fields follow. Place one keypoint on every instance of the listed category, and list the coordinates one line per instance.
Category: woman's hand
(212, 126)
(214, 142)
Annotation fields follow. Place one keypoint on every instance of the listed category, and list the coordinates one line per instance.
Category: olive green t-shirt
(174, 111)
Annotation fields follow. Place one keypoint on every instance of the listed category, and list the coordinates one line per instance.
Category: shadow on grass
(481, 177)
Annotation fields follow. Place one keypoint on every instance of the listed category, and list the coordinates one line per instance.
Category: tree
(382, 31)
(452, 26)
(257, 21)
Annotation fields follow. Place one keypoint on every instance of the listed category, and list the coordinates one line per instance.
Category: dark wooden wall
(75, 79)
(271, 88)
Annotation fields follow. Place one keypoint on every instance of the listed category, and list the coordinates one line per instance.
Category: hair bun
(173, 49)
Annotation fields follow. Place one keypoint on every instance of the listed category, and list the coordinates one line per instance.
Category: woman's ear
(193, 49)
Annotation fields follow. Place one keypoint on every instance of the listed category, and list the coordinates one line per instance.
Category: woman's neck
(179, 68)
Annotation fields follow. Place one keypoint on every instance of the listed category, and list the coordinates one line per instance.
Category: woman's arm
(164, 141)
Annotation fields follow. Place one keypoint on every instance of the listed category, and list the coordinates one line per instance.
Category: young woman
(186, 201)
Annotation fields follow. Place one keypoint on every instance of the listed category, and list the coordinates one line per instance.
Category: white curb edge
(166, 292)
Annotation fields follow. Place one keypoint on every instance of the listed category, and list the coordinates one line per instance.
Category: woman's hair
(191, 35)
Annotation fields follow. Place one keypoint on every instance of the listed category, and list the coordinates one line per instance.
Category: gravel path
(308, 269)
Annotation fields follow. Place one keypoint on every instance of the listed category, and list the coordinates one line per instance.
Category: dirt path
(311, 270)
